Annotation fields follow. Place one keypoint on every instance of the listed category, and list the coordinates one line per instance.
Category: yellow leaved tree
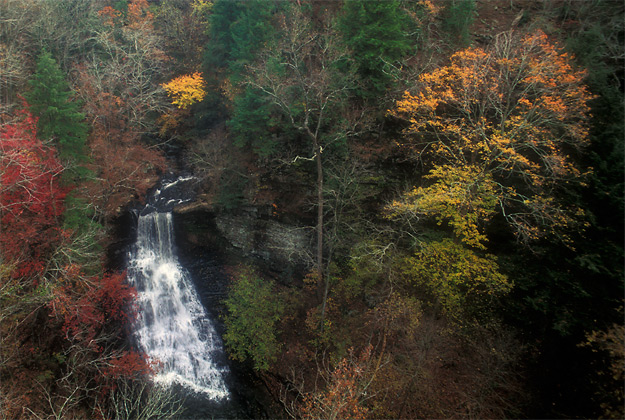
(496, 128)
(496, 131)
(463, 284)
(186, 90)
(461, 196)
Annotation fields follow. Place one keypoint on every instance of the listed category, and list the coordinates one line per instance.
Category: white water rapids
(173, 327)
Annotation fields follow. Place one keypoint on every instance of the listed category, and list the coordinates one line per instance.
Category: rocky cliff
(248, 233)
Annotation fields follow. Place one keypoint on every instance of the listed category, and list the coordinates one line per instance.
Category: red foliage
(125, 166)
(115, 297)
(31, 199)
(105, 304)
(130, 365)
(139, 14)
(110, 16)
(347, 385)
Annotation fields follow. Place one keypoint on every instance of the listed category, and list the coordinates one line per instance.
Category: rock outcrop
(249, 233)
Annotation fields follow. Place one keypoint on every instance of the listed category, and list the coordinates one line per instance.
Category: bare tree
(299, 74)
(142, 400)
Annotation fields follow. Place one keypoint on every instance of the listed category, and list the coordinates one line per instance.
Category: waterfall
(173, 327)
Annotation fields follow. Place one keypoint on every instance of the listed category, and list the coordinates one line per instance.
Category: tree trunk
(319, 216)
(322, 287)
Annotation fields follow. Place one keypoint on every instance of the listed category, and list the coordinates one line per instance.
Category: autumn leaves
(496, 129)
(186, 90)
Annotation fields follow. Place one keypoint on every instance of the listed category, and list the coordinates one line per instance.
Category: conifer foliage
(58, 111)
(377, 33)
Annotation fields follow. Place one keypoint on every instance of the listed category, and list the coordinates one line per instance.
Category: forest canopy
(438, 185)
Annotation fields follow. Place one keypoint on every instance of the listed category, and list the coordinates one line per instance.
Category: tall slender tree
(59, 116)
(300, 78)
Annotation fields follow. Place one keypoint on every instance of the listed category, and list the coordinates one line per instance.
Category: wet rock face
(249, 234)
(275, 243)
(123, 233)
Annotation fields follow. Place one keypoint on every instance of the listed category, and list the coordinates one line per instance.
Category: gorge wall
(248, 233)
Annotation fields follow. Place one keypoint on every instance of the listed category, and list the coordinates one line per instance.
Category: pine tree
(60, 120)
(237, 30)
(377, 34)
(59, 116)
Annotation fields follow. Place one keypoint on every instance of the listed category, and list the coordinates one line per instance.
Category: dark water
(205, 266)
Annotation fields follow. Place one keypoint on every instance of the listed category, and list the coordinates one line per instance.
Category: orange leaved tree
(186, 90)
(497, 129)
(346, 389)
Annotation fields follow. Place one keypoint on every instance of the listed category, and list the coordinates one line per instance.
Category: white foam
(177, 181)
(173, 326)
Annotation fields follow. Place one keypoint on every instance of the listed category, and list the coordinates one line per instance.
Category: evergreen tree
(376, 31)
(61, 121)
(219, 48)
(237, 31)
(250, 122)
(59, 116)
(457, 19)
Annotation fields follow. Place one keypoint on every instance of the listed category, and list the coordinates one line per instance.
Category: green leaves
(59, 116)
(237, 30)
(251, 121)
(253, 311)
(457, 18)
(376, 31)
(464, 284)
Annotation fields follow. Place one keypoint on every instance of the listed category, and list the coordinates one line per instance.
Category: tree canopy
(420, 203)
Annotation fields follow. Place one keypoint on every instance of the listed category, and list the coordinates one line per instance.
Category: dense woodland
(457, 166)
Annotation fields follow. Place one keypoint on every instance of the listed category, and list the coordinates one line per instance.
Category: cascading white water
(173, 326)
